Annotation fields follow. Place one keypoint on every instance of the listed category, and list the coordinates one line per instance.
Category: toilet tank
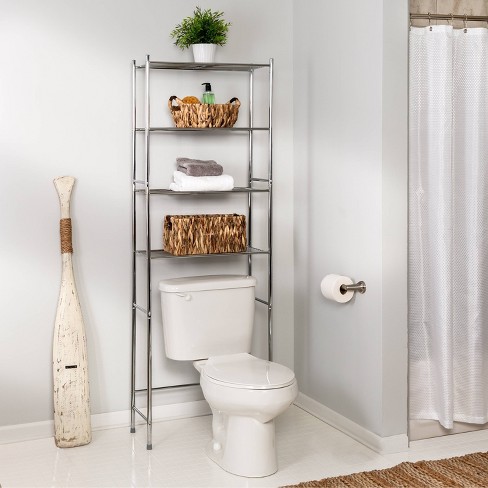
(205, 316)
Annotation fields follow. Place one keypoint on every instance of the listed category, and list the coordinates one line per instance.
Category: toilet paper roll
(331, 288)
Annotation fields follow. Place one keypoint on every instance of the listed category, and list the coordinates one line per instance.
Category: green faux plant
(205, 27)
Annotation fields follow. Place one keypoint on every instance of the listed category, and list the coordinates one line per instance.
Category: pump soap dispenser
(208, 96)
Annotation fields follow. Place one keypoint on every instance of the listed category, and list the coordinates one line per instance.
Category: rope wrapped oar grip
(65, 232)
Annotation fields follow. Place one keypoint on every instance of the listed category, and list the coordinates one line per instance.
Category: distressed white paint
(72, 426)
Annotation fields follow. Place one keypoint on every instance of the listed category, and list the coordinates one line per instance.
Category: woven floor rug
(465, 471)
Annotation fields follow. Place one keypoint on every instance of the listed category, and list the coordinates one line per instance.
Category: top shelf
(203, 66)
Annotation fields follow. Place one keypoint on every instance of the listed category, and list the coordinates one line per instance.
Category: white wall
(350, 206)
(66, 110)
(339, 180)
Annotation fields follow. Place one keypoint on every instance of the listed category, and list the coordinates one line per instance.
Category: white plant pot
(203, 53)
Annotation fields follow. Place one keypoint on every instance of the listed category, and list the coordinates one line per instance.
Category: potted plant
(203, 31)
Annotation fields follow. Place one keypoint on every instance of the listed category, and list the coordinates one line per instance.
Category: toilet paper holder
(360, 287)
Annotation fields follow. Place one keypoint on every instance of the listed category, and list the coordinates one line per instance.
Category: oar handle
(64, 186)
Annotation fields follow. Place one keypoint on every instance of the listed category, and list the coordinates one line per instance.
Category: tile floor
(307, 449)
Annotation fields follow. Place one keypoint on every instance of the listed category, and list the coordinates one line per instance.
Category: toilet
(209, 320)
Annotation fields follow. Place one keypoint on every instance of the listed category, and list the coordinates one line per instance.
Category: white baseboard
(110, 420)
(450, 440)
(26, 432)
(196, 408)
(382, 445)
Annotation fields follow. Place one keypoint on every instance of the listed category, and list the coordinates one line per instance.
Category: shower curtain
(448, 225)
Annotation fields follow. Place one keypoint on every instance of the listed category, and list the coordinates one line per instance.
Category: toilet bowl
(209, 320)
(245, 394)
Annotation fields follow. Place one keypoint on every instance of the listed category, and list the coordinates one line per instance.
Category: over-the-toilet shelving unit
(142, 192)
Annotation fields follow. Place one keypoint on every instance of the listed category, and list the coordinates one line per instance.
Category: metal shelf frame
(197, 129)
(160, 254)
(164, 191)
(141, 189)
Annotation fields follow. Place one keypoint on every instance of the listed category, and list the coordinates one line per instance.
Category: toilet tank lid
(209, 282)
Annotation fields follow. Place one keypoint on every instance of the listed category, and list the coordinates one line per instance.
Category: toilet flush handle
(186, 296)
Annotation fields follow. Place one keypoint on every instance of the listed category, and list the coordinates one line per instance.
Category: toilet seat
(247, 372)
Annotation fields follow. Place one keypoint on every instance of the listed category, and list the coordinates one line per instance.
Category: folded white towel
(184, 182)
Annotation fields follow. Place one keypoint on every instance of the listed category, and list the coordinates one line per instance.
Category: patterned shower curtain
(448, 225)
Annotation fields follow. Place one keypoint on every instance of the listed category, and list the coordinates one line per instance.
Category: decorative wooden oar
(72, 424)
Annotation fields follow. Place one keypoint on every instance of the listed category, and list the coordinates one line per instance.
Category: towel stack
(198, 175)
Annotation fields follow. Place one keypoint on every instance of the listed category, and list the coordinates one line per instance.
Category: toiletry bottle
(208, 96)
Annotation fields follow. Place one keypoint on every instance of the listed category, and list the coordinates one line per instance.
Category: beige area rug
(464, 471)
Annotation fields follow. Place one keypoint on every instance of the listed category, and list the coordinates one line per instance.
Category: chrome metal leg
(148, 263)
(133, 342)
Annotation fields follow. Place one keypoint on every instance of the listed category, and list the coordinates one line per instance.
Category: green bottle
(208, 96)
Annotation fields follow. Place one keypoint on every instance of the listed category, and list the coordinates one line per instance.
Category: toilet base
(243, 446)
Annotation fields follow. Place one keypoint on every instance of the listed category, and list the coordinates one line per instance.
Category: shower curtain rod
(466, 18)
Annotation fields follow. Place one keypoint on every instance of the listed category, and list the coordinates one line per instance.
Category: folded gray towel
(198, 167)
(194, 169)
(193, 160)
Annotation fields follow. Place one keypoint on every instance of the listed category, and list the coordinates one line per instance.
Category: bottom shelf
(160, 254)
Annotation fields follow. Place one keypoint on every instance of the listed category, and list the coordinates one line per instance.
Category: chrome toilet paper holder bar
(360, 287)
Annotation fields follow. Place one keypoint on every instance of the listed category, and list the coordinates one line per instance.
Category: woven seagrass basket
(203, 115)
(204, 234)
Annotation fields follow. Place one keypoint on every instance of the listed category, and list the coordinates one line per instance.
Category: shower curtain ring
(465, 23)
(430, 27)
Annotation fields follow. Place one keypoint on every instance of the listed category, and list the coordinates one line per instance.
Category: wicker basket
(204, 234)
(203, 115)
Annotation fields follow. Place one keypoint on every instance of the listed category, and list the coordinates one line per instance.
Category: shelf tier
(160, 254)
(203, 66)
(164, 191)
(202, 129)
